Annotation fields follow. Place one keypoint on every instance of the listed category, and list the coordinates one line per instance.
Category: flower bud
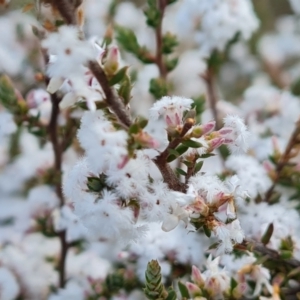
(193, 289)
(112, 60)
(216, 143)
(197, 277)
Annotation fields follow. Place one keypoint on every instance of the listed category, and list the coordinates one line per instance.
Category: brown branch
(260, 248)
(161, 161)
(158, 36)
(209, 78)
(284, 159)
(190, 170)
(67, 9)
(112, 100)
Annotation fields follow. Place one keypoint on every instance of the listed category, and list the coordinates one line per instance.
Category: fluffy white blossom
(235, 133)
(9, 287)
(171, 109)
(101, 140)
(218, 21)
(7, 124)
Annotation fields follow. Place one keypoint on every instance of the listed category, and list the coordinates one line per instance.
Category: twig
(284, 159)
(112, 100)
(158, 36)
(67, 9)
(209, 78)
(161, 161)
(272, 254)
(190, 170)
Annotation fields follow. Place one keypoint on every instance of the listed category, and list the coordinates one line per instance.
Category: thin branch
(272, 254)
(284, 159)
(158, 36)
(67, 9)
(161, 161)
(209, 78)
(111, 98)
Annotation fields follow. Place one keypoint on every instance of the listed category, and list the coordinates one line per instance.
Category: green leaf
(125, 90)
(158, 87)
(294, 273)
(119, 76)
(181, 172)
(189, 164)
(171, 295)
(169, 42)
(174, 152)
(214, 246)
(268, 234)
(171, 158)
(142, 122)
(198, 166)
(171, 64)
(183, 290)
(191, 144)
(182, 149)
(206, 231)
(207, 155)
(233, 284)
(134, 128)
(95, 184)
(126, 37)
(152, 13)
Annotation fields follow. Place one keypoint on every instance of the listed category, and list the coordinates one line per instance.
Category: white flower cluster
(218, 21)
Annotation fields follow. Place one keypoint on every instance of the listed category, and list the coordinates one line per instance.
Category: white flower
(172, 220)
(72, 291)
(235, 133)
(252, 177)
(69, 52)
(217, 280)
(171, 109)
(219, 21)
(104, 145)
(9, 287)
(65, 219)
(7, 124)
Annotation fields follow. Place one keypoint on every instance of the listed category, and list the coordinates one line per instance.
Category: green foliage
(171, 64)
(9, 99)
(268, 234)
(158, 87)
(125, 89)
(152, 13)
(169, 42)
(183, 290)
(127, 39)
(154, 288)
(97, 184)
(119, 76)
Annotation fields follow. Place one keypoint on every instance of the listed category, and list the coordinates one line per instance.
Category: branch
(272, 254)
(67, 9)
(284, 159)
(158, 36)
(161, 161)
(112, 100)
(209, 78)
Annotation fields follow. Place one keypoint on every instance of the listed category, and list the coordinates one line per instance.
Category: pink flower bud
(216, 142)
(197, 277)
(112, 60)
(36, 97)
(208, 127)
(123, 163)
(225, 130)
(193, 289)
